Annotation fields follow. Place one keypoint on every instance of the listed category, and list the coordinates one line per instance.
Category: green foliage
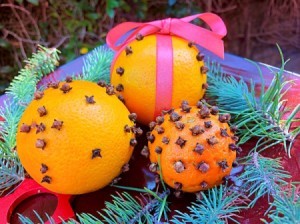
(285, 208)
(217, 205)
(97, 64)
(20, 93)
(263, 176)
(260, 116)
(41, 63)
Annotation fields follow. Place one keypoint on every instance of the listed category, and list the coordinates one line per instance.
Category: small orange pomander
(195, 146)
(76, 137)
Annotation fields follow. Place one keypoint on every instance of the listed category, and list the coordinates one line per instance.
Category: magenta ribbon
(209, 39)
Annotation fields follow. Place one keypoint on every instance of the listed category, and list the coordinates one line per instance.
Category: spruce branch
(261, 116)
(218, 205)
(263, 176)
(20, 93)
(285, 208)
(96, 65)
(41, 63)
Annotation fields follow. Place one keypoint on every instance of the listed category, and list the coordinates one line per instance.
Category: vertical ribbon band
(164, 73)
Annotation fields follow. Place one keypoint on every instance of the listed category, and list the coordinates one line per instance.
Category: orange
(196, 150)
(139, 63)
(71, 138)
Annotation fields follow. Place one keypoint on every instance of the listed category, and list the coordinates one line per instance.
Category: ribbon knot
(121, 35)
(165, 26)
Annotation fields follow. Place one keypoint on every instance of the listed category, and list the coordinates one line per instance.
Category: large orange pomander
(75, 137)
(151, 80)
(195, 147)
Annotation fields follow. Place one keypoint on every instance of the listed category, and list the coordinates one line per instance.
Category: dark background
(254, 26)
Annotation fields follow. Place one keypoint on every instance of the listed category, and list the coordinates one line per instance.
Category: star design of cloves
(145, 151)
(207, 124)
(197, 129)
(203, 69)
(179, 125)
(96, 153)
(120, 71)
(153, 167)
(69, 79)
(44, 168)
(40, 143)
(200, 57)
(158, 149)
(160, 130)
(125, 168)
(133, 142)
(160, 120)
(101, 83)
(203, 167)
(110, 90)
(42, 111)
(179, 166)
(128, 50)
(25, 128)
(223, 164)
(199, 148)
(65, 88)
(175, 117)
(40, 128)
(38, 95)
(90, 99)
(165, 140)
(120, 88)
(57, 124)
(46, 179)
(212, 140)
(223, 132)
(152, 125)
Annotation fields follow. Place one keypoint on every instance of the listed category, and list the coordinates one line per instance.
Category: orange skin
(191, 177)
(68, 151)
(139, 78)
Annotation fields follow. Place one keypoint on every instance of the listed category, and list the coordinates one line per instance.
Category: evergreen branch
(260, 116)
(218, 205)
(20, 93)
(41, 63)
(263, 176)
(285, 208)
(96, 65)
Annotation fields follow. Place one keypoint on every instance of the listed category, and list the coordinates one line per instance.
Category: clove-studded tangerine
(196, 149)
(144, 88)
(75, 138)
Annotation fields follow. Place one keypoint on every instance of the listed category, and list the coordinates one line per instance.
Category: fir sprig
(20, 93)
(285, 208)
(260, 116)
(96, 65)
(41, 63)
(263, 176)
(217, 205)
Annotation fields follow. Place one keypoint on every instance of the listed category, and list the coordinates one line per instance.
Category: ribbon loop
(165, 26)
(209, 39)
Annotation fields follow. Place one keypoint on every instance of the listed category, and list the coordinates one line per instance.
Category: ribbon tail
(117, 35)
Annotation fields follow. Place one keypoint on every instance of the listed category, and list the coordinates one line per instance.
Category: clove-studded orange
(150, 81)
(72, 137)
(195, 146)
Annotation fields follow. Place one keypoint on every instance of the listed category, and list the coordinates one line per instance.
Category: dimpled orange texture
(192, 158)
(138, 62)
(71, 138)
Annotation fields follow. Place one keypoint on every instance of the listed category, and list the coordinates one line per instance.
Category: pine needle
(96, 65)
(20, 93)
(260, 116)
(218, 205)
(263, 176)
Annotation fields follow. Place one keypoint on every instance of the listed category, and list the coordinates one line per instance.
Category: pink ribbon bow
(209, 39)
